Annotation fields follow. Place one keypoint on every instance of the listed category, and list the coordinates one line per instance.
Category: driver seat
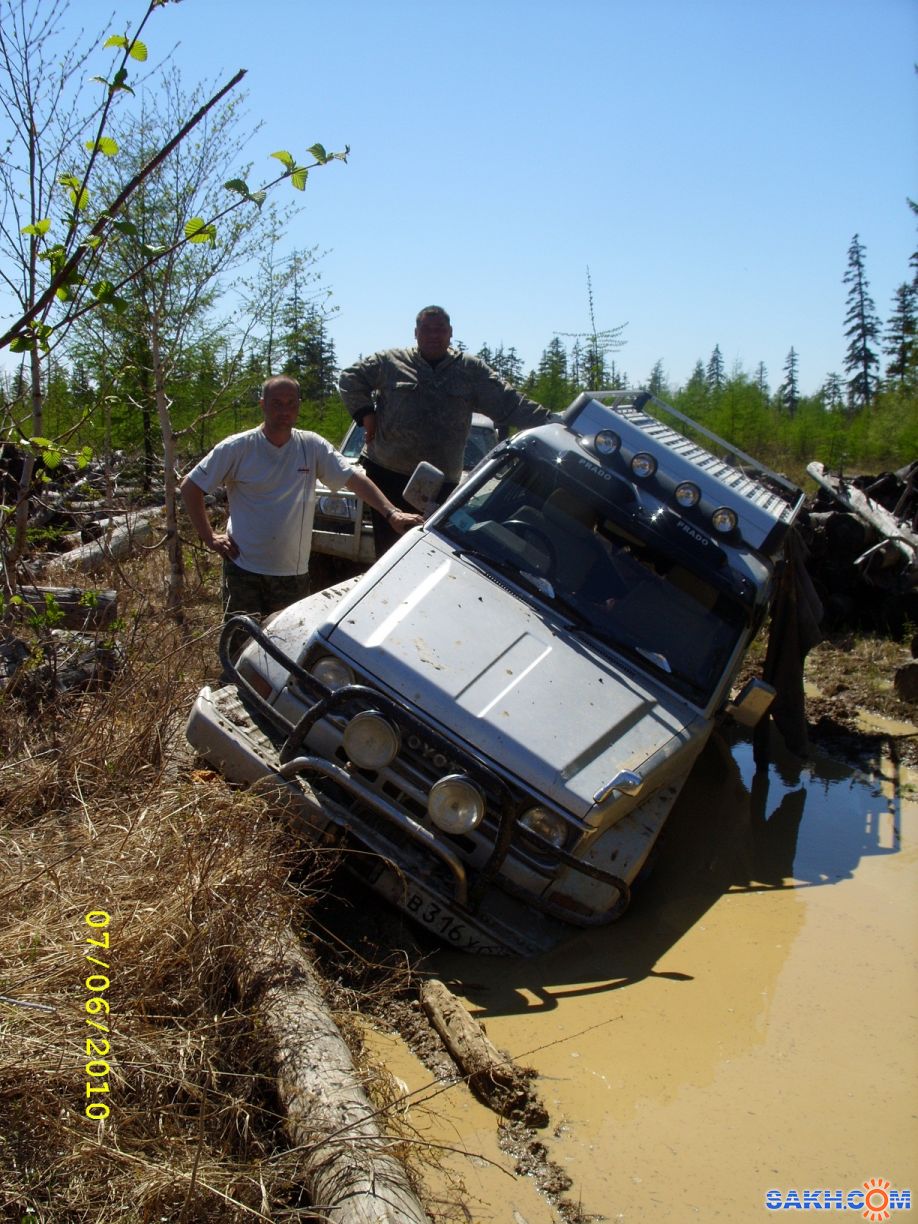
(569, 524)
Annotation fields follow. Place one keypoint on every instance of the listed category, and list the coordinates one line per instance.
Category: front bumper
(489, 900)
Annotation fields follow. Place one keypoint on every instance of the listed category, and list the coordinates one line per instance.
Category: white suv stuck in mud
(503, 709)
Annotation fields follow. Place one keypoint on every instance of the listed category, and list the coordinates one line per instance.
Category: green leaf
(286, 158)
(152, 251)
(79, 196)
(258, 197)
(197, 230)
(104, 144)
(22, 344)
(298, 178)
(125, 227)
(138, 50)
(38, 229)
(103, 81)
(83, 457)
(318, 152)
(239, 185)
(115, 40)
(120, 78)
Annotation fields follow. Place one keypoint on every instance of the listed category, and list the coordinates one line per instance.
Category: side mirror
(753, 701)
(423, 488)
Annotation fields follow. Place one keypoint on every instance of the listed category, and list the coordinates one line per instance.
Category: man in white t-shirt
(270, 478)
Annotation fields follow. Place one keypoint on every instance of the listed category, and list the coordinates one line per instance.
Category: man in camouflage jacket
(417, 403)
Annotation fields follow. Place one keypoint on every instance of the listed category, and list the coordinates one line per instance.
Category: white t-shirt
(271, 491)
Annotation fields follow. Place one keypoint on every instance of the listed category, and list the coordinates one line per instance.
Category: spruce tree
(862, 329)
(900, 337)
(714, 375)
(789, 391)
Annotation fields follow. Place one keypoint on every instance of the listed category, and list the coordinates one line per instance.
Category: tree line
(162, 341)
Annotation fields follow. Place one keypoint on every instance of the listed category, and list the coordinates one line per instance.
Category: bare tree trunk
(28, 465)
(176, 585)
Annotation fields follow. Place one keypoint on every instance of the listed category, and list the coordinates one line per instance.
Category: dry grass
(97, 816)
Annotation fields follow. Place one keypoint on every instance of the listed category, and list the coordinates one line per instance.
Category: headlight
(546, 824)
(687, 494)
(643, 465)
(606, 442)
(331, 672)
(723, 519)
(370, 741)
(455, 804)
(333, 505)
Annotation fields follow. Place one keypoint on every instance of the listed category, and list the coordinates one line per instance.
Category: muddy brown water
(748, 1026)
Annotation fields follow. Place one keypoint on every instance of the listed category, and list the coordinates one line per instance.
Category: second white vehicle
(342, 534)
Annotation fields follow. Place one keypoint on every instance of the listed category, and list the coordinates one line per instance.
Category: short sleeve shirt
(271, 492)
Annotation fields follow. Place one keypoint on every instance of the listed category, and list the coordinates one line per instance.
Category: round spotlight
(606, 442)
(687, 494)
(643, 465)
(455, 804)
(331, 672)
(370, 741)
(723, 519)
(546, 824)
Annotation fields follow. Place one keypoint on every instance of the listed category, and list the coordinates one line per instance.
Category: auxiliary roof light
(687, 494)
(643, 465)
(455, 804)
(724, 519)
(606, 442)
(370, 741)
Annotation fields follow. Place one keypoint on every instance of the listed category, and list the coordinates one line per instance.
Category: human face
(281, 407)
(433, 334)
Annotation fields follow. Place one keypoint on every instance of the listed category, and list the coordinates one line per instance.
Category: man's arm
(398, 520)
(357, 384)
(503, 403)
(218, 542)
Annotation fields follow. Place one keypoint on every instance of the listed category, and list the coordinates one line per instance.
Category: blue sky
(709, 162)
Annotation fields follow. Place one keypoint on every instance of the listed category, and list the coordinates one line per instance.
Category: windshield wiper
(506, 568)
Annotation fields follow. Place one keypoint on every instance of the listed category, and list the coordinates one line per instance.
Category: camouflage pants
(259, 594)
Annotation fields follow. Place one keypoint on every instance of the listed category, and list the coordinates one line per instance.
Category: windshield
(584, 551)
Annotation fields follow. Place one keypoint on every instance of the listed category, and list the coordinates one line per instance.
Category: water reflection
(793, 826)
(847, 816)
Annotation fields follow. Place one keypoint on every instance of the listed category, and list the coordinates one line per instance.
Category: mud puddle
(748, 1026)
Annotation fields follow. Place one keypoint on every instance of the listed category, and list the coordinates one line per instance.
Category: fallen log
(494, 1077)
(871, 512)
(350, 1171)
(137, 529)
(81, 609)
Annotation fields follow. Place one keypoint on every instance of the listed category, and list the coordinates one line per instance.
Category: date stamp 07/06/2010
(96, 1007)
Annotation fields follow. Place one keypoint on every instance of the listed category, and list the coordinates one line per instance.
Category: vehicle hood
(520, 689)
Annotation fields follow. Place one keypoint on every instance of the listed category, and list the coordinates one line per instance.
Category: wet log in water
(350, 1172)
(493, 1077)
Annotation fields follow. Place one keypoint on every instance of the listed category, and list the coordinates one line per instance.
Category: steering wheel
(530, 534)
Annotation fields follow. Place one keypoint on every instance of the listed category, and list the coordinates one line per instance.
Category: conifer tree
(789, 391)
(862, 329)
(714, 376)
(900, 337)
